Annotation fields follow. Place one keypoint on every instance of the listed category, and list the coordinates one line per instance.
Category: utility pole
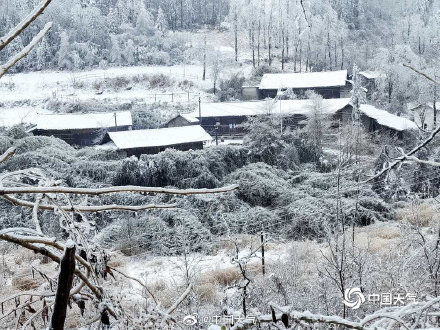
(200, 109)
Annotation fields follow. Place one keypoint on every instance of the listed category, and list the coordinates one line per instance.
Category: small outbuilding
(330, 84)
(153, 141)
(82, 129)
(182, 120)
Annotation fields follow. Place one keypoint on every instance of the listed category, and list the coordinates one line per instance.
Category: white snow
(387, 119)
(20, 115)
(43, 85)
(304, 80)
(255, 108)
(84, 121)
(159, 137)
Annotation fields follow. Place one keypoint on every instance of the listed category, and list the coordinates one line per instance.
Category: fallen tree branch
(4, 41)
(26, 50)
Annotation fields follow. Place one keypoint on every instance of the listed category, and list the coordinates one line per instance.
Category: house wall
(228, 125)
(82, 138)
(250, 93)
(326, 93)
(232, 126)
(156, 150)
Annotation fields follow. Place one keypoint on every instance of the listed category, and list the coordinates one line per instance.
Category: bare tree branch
(422, 74)
(88, 208)
(8, 154)
(405, 156)
(113, 189)
(179, 301)
(136, 280)
(23, 24)
(25, 51)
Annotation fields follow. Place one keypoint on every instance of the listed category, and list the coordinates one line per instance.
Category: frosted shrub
(260, 184)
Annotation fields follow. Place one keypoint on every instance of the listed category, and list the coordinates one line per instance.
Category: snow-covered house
(378, 120)
(227, 117)
(330, 84)
(182, 120)
(82, 129)
(423, 114)
(153, 141)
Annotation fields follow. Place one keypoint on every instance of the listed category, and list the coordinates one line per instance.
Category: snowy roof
(387, 119)
(160, 137)
(189, 118)
(255, 108)
(303, 80)
(83, 121)
(372, 74)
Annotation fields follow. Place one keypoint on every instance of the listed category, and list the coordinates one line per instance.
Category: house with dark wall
(379, 121)
(82, 129)
(227, 118)
(330, 84)
(153, 141)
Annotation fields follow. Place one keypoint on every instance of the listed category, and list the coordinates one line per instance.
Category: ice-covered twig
(25, 51)
(4, 41)
(113, 189)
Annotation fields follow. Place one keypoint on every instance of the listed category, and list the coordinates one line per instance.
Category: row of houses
(196, 129)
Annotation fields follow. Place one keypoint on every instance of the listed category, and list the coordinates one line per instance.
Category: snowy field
(40, 86)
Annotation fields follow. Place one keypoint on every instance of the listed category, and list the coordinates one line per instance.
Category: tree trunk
(65, 280)
(204, 60)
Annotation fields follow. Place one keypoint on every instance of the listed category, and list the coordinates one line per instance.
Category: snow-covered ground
(40, 86)
(153, 269)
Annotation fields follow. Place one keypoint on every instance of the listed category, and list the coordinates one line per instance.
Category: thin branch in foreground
(24, 24)
(422, 74)
(8, 154)
(88, 208)
(26, 50)
(113, 189)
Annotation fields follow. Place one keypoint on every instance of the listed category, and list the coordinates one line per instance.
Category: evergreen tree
(115, 52)
(63, 53)
(161, 21)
